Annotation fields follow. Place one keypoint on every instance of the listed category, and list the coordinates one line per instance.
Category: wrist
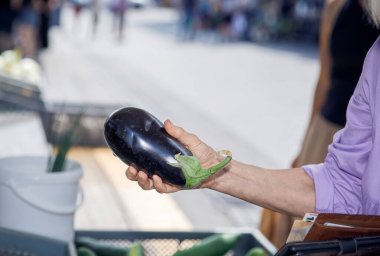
(214, 181)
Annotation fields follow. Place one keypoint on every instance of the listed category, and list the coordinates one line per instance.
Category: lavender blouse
(349, 179)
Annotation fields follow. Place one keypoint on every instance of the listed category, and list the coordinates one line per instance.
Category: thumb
(188, 139)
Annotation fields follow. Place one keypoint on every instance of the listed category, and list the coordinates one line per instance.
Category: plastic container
(37, 202)
(13, 243)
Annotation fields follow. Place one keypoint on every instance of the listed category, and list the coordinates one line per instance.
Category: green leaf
(57, 162)
(193, 171)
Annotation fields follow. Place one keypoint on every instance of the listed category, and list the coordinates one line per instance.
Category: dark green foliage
(57, 162)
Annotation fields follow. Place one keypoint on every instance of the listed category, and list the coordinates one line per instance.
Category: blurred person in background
(347, 181)
(239, 22)
(95, 9)
(28, 23)
(228, 7)
(78, 6)
(188, 18)
(31, 22)
(225, 20)
(204, 11)
(119, 9)
(207, 19)
(346, 35)
(8, 13)
(43, 33)
(55, 13)
(286, 19)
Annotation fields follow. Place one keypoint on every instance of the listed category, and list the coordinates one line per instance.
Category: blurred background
(238, 73)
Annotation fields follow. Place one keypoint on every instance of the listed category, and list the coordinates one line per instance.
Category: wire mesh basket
(20, 96)
(58, 118)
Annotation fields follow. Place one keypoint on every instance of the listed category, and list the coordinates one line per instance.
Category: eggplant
(137, 137)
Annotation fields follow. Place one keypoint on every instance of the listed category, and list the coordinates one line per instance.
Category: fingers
(146, 183)
(188, 139)
(131, 173)
(142, 179)
(162, 187)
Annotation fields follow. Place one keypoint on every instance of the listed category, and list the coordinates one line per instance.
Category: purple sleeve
(338, 181)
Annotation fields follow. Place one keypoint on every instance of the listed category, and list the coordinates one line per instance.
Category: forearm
(290, 191)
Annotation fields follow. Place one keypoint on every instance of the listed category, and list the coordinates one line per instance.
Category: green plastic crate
(167, 243)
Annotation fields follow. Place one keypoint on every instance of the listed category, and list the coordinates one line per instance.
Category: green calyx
(193, 171)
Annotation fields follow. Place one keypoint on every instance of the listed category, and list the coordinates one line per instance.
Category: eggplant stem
(193, 172)
(214, 169)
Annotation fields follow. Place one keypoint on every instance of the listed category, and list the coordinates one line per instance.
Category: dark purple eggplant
(137, 137)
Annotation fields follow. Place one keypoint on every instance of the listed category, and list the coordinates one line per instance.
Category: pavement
(250, 98)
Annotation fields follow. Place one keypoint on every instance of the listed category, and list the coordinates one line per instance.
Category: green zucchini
(256, 251)
(103, 249)
(84, 251)
(215, 245)
(136, 249)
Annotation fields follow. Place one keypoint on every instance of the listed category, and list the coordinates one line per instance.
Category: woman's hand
(204, 153)
(290, 190)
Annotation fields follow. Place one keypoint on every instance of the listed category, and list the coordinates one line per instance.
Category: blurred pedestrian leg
(95, 8)
(188, 14)
(44, 24)
(118, 9)
(239, 24)
(7, 16)
(27, 24)
(78, 6)
(55, 13)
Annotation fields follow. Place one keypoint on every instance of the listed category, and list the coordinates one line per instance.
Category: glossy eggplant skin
(138, 137)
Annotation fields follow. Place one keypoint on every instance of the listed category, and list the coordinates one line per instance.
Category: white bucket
(37, 202)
